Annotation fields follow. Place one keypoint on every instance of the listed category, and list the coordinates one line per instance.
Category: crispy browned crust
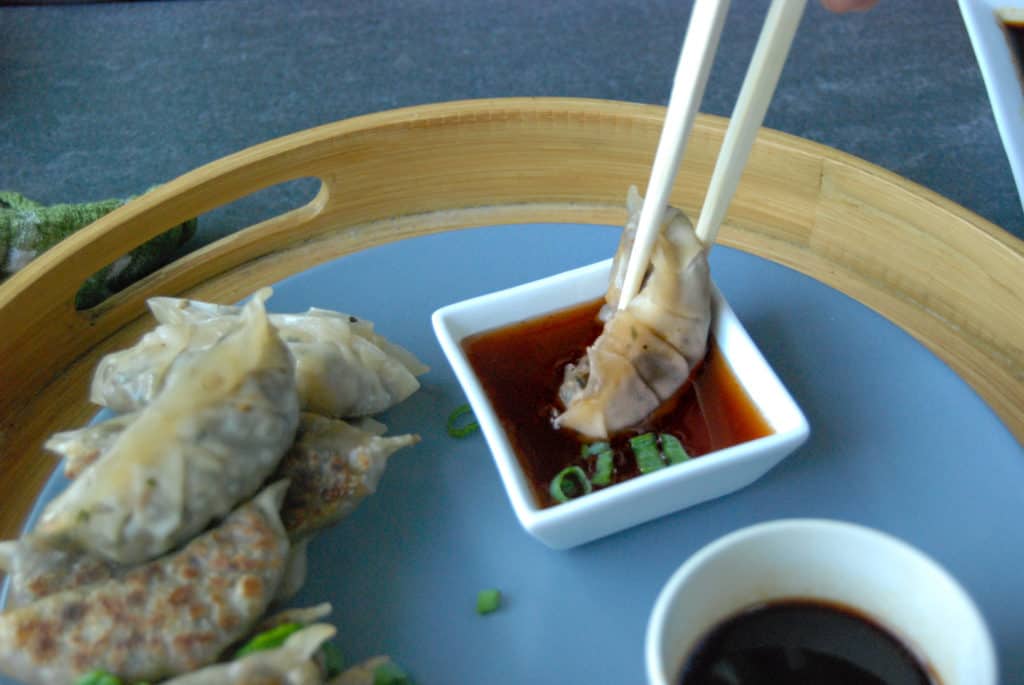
(166, 617)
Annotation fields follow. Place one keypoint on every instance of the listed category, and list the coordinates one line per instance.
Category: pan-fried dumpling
(164, 618)
(647, 350)
(293, 663)
(36, 569)
(343, 368)
(333, 466)
(209, 440)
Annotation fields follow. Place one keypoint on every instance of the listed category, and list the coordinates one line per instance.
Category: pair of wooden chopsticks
(695, 60)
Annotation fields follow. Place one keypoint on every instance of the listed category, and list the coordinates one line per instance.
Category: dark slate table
(100, 100)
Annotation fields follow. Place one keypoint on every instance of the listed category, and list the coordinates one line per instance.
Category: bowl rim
(798, 527)
(726, 326)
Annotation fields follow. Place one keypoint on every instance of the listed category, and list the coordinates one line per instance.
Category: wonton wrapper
(646, 351)
(343, 368)
(209, 440)
(168, 617)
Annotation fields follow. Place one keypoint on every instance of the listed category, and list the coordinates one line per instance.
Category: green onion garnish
(390, 673)
(488, 601)
(645, 447)
(460, 429)
(571, 482)
(334, 661)
(589, 450)
(603, 469)
(673, 449)
(98, 677)
(268, 639)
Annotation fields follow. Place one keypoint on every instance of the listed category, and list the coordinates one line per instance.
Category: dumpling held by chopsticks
(647, 350)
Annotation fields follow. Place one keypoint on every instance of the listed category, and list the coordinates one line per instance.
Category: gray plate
(898, 442)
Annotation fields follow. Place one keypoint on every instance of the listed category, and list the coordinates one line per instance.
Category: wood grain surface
(940, 272)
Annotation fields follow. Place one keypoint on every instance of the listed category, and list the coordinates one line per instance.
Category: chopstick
(762, 76)
(695, 58)
(780, 26)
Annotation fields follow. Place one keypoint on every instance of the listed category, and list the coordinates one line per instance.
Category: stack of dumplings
(190, 512)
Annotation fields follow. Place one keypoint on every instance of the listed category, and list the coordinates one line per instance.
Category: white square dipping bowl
(645, 497)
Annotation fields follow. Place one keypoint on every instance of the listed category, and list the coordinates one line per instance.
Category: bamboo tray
(943, 274)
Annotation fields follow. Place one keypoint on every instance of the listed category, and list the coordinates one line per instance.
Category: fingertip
(844, 6)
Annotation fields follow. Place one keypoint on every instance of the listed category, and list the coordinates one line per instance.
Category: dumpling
(36, 569)
(208, 440)
(343, 368)
(168, 617)
(293, 663)
(647, 350)
(333, 466)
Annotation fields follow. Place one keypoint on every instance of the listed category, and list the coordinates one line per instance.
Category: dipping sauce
(521, 366)
(1015, 34)
(802, 642)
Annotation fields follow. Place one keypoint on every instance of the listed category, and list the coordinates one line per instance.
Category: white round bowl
(885, 578)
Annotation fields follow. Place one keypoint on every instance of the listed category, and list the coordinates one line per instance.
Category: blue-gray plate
(898, 442)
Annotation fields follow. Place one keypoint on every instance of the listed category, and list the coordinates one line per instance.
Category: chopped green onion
(571, 482)
(334, 661)
(589, 450)
(390, 673)
(460, 429)
(268, 639)
(673, 449)
(98, 677)
(645, 447)
(488, 601)
(603, 469)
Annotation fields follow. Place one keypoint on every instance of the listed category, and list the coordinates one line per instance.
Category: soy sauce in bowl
(800, 642)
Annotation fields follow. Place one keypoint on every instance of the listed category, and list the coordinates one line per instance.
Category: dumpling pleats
(168, 617)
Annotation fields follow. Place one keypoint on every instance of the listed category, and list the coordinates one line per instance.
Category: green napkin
(27, 229)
